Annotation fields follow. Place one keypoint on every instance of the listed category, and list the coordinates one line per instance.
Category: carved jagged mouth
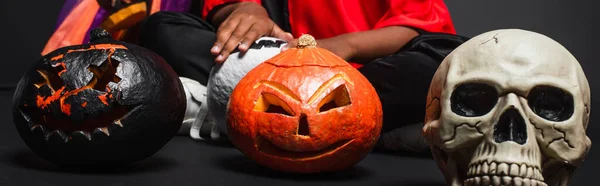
(498, 173)
(269, 148)
(48, 133)
(67, 135)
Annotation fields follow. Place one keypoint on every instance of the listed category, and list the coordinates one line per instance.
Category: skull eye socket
(551, 103)
(473, 99)
(270, 103)
(339, 97)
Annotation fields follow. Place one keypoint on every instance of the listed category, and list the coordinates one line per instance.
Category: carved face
(103, 102)
(509, 107)
(297, 113)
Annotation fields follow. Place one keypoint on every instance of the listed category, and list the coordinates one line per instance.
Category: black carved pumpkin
(106, 102)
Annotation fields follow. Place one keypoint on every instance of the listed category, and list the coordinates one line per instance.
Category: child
(396, 44)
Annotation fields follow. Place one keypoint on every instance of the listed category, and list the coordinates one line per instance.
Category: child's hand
(247, 22)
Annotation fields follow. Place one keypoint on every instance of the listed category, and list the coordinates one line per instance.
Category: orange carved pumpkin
(305, 110)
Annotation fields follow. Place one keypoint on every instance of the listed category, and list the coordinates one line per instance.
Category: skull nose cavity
(510, 127)
(303, 126)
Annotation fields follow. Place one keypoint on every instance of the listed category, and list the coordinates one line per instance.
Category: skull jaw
(505, 163)
(554, 172)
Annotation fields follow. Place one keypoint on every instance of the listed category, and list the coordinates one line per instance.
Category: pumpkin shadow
(421, 155)
(27, 159)
(217, 143)
(244, 165)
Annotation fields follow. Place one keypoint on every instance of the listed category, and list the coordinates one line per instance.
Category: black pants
(401, 80)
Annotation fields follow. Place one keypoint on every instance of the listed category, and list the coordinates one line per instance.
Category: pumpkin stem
(306, 40)
(98, 34)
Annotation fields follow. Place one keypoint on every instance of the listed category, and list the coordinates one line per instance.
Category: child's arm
(372, 44)
(367, 45)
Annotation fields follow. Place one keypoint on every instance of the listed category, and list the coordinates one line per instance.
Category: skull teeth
(504, 171)
(502, 180)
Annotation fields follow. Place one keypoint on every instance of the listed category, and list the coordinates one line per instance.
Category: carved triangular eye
(339, 97)
(270, 103)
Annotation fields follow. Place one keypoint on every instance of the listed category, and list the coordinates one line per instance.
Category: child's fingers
(252, 35)
(288, 36)
(290, 44)
(223, 33)
(235, 39)
(281, 34)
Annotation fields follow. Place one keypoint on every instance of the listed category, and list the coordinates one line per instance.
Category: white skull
(508, 107)
(224, 77)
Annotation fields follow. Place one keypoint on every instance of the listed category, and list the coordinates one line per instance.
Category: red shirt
(328, 18)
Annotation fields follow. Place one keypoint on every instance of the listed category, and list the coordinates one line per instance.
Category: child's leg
(402, 82)
(183, 40)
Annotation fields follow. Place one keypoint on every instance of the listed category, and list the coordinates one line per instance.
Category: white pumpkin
(224, 77)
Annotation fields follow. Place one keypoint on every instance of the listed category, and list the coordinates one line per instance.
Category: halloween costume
(78, 17)
(324, 19)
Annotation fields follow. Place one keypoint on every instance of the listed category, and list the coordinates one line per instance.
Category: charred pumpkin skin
(301, 81)
(105, 103)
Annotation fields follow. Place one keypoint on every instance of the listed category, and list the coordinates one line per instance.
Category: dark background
(26, 26)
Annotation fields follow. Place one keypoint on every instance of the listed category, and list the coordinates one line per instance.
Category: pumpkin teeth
(64, 136)
(82, 133)
(61, 134)
(34, 127)
(118, 122)
(41, 128)
(102, 130)
(134, 110)
(27, 118)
